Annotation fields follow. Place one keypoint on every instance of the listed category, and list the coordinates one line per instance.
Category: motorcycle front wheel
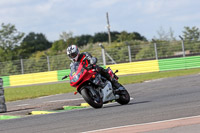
(94, 101)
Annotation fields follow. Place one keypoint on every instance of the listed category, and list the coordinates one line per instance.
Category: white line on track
(23, 105)
(142, 124)
(48, 96)
(65, 100)
(153, 80)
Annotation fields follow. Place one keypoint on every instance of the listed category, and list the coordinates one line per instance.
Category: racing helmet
(73, 52)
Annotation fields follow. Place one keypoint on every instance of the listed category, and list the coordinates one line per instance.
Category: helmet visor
(73, 55)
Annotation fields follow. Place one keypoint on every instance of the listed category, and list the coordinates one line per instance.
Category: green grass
(26, 92)
(156, 75)
(5, 117)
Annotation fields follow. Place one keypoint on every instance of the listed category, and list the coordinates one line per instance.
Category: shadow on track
(131, 103)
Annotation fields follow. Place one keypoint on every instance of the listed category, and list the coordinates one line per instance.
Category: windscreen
(74, 68)
(75, 74)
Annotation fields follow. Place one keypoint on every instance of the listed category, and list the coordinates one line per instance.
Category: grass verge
(5, 117)
(156, 75)
(27, 92)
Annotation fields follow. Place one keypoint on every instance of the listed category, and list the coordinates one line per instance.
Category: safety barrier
(179, 63)
(2, 98)
(35, 78)
(6, 81)
(136, 67)
(124, 68)
(157, 65)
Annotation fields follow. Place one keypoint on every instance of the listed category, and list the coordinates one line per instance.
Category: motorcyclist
(74, 54)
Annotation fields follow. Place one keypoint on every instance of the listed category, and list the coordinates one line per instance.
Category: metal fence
(106, 55)
(43, 64)
(154, 50)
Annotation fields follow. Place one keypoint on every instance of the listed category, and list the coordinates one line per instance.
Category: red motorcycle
(94, 88)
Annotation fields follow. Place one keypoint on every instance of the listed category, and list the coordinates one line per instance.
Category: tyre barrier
(2, 100)
(3, 107)
(1, 92)
(1, 83)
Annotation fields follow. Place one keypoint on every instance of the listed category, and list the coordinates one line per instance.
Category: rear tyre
(95, 102)
(124, 97)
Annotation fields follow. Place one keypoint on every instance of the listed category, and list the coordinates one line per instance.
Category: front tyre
(94, 101)
(124, 97)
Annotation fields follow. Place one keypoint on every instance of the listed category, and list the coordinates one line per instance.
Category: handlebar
(65, 77)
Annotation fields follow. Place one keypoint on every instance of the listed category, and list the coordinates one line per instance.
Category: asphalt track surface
(156, 100)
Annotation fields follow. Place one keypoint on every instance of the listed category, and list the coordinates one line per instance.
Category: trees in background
(83, 40)
(58, 47)
(191, 34)
(117, 36)
(10, 38)
(125, 36)
(32, 43)
(13, 44)
(191, 37)
(67, 39)
(165, 36)
(65, 36)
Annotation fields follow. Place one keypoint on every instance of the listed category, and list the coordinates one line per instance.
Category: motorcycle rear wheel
(88, 97)
(124, 97)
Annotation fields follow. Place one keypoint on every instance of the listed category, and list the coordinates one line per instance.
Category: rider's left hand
(89, 66)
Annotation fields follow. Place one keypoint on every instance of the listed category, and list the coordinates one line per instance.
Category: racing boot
(115, 84)
(104, 72)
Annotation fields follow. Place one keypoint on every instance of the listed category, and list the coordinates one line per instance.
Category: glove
(89, 67)
(93, 61)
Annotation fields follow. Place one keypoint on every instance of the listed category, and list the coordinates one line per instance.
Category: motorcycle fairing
(108, 94)
(79, 74)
